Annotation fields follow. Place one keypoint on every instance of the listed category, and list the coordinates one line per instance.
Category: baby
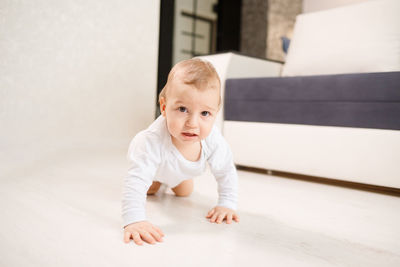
(176, 147)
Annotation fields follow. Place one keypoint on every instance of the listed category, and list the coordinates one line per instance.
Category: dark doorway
(229, 22)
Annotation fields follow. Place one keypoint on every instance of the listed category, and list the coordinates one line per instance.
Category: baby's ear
(162, 105)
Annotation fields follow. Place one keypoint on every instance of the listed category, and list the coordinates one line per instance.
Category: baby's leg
(154, 188)
(184, 189)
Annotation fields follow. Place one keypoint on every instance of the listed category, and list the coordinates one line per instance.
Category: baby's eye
(182, 109)
(205, 113)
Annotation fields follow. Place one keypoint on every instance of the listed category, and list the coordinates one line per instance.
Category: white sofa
(355, 154)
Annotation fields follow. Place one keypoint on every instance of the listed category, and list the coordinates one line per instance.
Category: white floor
(65, 211)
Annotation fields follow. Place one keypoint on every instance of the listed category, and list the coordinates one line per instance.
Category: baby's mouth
(189, 134)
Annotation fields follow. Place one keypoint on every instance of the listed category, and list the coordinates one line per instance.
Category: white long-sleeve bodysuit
(154, 158)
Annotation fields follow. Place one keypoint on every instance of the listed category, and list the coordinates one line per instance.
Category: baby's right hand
(142, 231)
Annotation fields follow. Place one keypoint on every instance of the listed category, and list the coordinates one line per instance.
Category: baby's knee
(151, 192)
(183, 193)
(184, 189)
(153, 188)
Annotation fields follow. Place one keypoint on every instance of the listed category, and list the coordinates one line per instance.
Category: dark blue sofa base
(365, 100)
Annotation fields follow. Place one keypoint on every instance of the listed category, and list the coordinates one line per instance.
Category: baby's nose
(192, 121)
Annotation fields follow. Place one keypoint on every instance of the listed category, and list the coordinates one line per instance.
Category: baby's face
(190, 113)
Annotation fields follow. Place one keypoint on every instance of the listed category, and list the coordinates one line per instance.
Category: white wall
(317, 5)
(75, 72)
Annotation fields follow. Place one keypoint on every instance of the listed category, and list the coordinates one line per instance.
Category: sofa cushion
(363, 37)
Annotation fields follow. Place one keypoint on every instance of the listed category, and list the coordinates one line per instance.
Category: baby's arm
(144, 157)
(223, 168)
(227, 191)
(143, 231)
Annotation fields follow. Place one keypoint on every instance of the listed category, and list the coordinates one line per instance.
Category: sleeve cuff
(227, 204)
(132, 218)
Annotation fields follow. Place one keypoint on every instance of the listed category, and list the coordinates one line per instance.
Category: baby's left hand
(218, 214)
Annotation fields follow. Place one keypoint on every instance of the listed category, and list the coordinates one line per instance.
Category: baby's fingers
(210, 213)
(159, 231)
(229, 218)
(236, 217)
(221, 217)
(214, 217)
(156, 235)
(127, 237)
(137, 239)
(146, 236)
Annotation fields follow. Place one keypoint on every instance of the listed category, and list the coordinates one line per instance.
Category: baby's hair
(196, 71)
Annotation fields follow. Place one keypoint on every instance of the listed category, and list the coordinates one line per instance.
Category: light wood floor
(64, 210)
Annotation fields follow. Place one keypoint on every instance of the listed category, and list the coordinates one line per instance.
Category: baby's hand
(142, 231)
(218, 214)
